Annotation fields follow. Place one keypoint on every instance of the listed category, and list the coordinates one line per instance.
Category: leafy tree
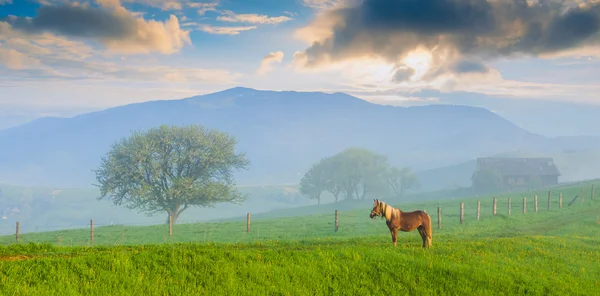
(373, 168)
(315, 181)
(355, 172)
(327, 166)
(409, 180)
(169, 169)
(401, 180)
(487, 181)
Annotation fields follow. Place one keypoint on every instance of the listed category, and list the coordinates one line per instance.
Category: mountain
(283, 133)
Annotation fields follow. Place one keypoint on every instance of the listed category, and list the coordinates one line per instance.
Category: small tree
(355, 172)
(169, 169)
(315, 181)
(333, 177)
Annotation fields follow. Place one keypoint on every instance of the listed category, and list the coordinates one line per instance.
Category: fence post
(248, 223)
(478, 209)
(170, 225)
(535, 203)
(592, 194)
(92, 230)
(494, 206)
(439, 218)
(462, 212)
(336, 220)
(18, 232)
(549, 199)
(524, 205)
(509, 206)
(560, 201)
(582, 195)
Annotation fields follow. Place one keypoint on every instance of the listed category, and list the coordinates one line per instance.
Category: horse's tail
(428, 229)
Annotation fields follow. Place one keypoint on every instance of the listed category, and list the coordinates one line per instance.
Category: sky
(60, 58)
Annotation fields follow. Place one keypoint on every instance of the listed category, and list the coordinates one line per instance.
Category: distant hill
(283, 133)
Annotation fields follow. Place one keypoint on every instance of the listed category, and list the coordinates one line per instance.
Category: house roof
(519, 166)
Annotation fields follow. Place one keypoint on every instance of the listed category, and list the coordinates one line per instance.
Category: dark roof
(519, 166)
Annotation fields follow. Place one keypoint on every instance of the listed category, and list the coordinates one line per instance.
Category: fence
(290, 228)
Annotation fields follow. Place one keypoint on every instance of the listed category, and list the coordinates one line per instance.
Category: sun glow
(419, 60)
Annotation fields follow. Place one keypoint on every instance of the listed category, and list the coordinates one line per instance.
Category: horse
(405, 221)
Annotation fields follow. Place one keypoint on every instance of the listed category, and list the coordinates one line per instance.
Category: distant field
(553, 252)
(48, 209)
(312, 222)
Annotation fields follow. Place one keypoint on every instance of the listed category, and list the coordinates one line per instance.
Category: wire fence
(446, 216)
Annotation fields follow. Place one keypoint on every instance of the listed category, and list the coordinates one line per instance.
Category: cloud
(87, 70)
(225, 30)
(204, 7)
(268, 61)
(110, 24)
(5, 2)
(321, 4)
(15, 60)
(44, 56)
(161, 4)
(466, 66)
(400, 100)
(107, 72)
(456, 35)
(403, 74)
(230, 16)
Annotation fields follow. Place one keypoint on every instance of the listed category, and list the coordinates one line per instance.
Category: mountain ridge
(282, 132)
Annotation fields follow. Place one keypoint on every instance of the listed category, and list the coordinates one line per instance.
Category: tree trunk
(174, 213)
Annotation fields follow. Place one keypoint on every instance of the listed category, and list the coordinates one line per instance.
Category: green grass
(551, 252)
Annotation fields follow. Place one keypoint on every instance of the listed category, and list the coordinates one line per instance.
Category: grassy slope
(546, 253)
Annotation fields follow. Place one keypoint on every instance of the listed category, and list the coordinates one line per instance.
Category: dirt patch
(15, 258)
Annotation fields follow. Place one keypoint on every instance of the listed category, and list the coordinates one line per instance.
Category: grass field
(551, 252)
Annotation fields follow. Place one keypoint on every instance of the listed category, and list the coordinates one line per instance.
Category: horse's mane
(385, 208)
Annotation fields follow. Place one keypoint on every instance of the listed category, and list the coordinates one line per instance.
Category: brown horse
(405, 221)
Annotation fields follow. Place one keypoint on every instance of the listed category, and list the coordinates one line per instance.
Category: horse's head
(377, 209)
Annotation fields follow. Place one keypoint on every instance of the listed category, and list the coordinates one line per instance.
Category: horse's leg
(423, 234)
(394, 236)
(429, 231)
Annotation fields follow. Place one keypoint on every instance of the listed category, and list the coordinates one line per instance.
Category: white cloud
(5, 2)
(322, 4)
(268, 61)
(204, 7)
(225, 30)
(230, 16)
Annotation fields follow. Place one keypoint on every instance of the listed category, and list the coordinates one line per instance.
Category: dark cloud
(403, 74)
(469, 67)
(110, 24)
(77, 21)
(454, 29)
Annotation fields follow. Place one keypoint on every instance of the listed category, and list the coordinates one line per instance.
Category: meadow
(549, 252)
